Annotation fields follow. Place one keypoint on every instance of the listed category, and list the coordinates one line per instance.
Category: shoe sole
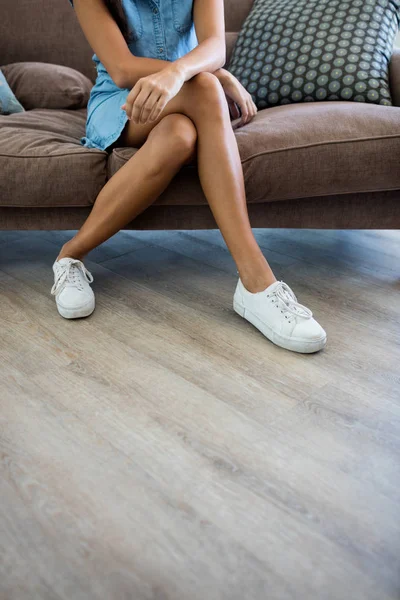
(276, 338)
(73, 313)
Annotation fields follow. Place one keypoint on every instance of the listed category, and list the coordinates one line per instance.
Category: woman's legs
(221, 176)
(220, 171)
(138, 183)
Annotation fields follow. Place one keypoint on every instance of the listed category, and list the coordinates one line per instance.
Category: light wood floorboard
(163, 449)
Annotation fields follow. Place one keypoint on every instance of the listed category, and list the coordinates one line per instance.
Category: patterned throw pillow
(8, 102)
(306, 50)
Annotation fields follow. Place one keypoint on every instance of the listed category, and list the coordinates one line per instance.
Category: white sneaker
(74, 296)
(277, 314)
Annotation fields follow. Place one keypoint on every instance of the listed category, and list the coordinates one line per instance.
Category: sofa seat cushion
(320, 149)
(42, 162)
(305, 150)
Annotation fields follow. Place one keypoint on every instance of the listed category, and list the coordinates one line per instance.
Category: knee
(181, 133)
(173, 141)
(209, 94)
(206, 83)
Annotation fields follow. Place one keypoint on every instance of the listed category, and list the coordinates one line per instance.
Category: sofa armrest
(394, 76)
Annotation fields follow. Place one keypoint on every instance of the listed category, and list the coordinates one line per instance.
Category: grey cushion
(44, 85)
(305, 50)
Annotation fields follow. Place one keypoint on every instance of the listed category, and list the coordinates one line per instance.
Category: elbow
(121, 76)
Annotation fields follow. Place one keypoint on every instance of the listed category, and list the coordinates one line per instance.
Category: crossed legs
(194, 124)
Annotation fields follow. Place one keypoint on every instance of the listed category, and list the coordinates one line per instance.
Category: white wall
(397, 42)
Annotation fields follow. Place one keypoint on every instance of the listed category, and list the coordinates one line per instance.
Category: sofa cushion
(320, 149)
(313, 50)
(42, 162)
(9, 104)
(305, 150)
(43, 85)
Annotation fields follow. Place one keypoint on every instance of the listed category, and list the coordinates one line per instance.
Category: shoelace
(69, 273)
(286, 295)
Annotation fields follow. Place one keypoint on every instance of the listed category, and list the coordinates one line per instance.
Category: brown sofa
(313, 165)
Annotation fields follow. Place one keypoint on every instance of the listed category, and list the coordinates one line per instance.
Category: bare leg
(145, 176)
(220, 172)
(224, 186)
(137, 184)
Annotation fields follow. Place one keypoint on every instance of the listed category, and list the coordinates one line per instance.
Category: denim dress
(161, 29)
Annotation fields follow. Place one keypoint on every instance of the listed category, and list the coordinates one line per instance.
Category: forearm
(209, 56)
(206, 56)
(222, 74)
(138, 67)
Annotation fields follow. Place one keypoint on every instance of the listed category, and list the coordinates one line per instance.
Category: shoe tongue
(272, 287)
(285, 292)
(65, 260)
(298, 309)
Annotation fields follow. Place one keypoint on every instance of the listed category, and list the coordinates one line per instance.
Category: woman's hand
(236, 94)
(151, 94)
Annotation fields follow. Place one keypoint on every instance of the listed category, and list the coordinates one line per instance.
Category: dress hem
(89, 142)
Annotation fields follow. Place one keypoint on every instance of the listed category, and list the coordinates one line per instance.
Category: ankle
(257, 282)
(67, 252)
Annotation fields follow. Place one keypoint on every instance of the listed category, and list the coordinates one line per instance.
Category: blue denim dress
(160, 29)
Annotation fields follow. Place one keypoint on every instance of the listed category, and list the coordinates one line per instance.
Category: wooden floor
(163, 449)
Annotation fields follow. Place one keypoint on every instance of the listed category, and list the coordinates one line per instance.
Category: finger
(245, 113)
(138, 105)
(146, 108)
(149, 106)
(127, 107)
(154, 110)
(234, 110)
(158, 107)
(238, 109)
(133, 94)
(249, 111)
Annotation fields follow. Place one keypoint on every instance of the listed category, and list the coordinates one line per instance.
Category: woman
(161, 88)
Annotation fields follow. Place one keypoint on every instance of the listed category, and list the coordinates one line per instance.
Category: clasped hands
(150, 94)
